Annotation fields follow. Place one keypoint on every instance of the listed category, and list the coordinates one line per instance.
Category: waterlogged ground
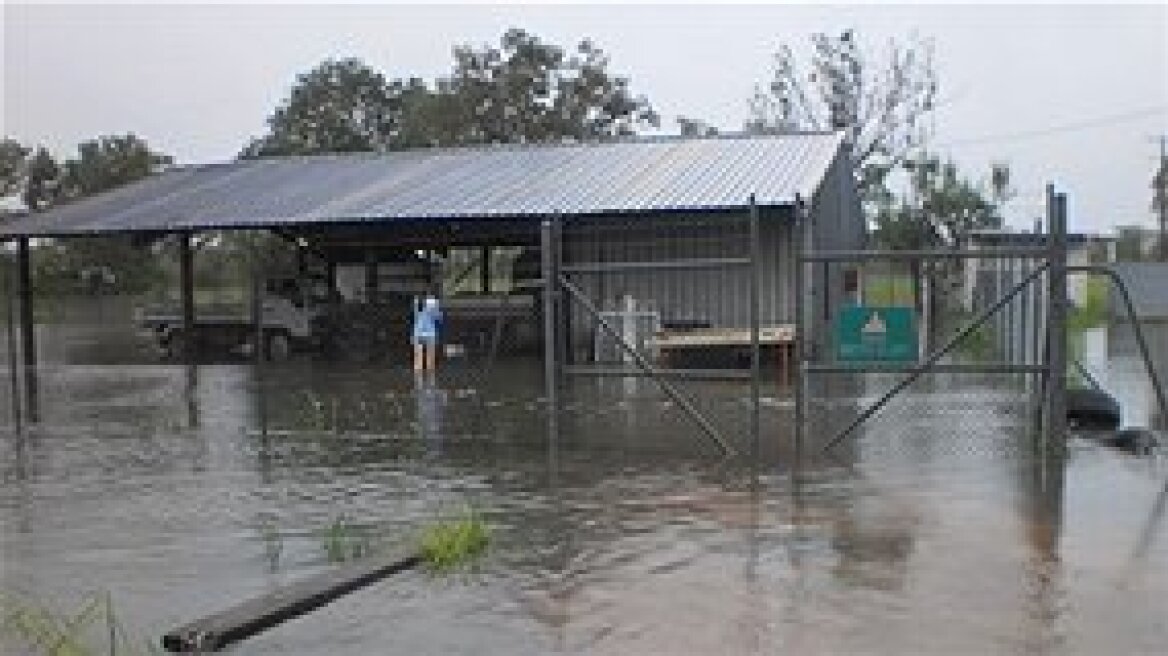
(181, 490)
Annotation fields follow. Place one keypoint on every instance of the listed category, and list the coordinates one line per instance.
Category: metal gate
(618, 291)
(917, 324)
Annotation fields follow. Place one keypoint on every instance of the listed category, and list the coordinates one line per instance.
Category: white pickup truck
(291, 308)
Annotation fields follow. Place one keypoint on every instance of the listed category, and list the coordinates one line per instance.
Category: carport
(696, 232)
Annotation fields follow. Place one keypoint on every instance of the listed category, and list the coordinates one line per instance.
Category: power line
(1099, 121)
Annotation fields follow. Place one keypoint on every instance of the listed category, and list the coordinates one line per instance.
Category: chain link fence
(981, 397)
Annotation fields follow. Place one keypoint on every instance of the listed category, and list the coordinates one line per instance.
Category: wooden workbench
(780, 337)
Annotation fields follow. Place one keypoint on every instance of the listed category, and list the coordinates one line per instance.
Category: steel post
(259, 348)
(755, 320)
(27, 326)
(1024, 325)
(550, 284)
(371, 281)
(798, 235)
(187, 294)
(485, 269)
(1036, 340)
(14, 376)
(1055, 426)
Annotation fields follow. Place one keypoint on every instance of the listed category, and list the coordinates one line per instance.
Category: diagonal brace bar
(645, 365)
(1120, 285)
(935, 357)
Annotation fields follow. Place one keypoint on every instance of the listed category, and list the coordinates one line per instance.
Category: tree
(881, 107)
(42, 185)
(108, 162)
(530, 91)
(341, 106)
(693, 127)
(523, 91)
(942, 206)
(940, 209)
(101, 164)
(430, 117)
(12, 166)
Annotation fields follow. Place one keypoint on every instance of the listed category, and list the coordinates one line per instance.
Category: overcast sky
(1074, 95)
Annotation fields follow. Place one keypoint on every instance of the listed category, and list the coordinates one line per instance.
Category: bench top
(775, 334)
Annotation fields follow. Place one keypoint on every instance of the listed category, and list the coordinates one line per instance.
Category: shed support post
(1055, 421)
(799, 235)
(755, 320)
(485, 269)
(187, 294)
(27, 324)
(259, 345)
(13, 374)
(370, 277)
(549, 265)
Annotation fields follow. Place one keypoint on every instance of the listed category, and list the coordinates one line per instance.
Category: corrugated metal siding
(837, 223)
(719, 296)
(1148, 284)
(632, 177)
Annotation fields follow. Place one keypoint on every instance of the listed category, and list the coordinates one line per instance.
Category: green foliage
(12, 166)
(1093, 311)
(74, 265)
(341, 106)
(342, 542)
(108, 162)
(522, 91)
(104, 163)
(273, 544)
(888, 290)
(530, 91)
(692, 127)
(317, 413)
(881, 105)
(454, 543)
(978, 345)
(42, 183)
(92, 265)
(1131, 245)
(902, 227)
(941, 207)
(91, 629)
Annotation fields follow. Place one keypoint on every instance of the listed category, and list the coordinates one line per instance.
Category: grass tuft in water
(342, 542)
(454, 543)
(273, 544)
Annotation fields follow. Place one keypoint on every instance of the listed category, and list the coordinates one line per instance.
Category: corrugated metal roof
(640, 176)
(1147, 282)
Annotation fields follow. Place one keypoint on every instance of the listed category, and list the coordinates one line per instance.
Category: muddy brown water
(181, 490)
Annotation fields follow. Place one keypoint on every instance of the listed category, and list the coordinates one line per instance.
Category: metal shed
(640, 201)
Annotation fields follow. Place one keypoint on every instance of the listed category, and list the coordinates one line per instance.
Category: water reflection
(429, 399)
(616, 533)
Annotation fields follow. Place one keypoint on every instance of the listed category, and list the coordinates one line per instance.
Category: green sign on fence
(865, 333)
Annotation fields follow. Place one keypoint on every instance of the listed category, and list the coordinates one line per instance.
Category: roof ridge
(547, 145)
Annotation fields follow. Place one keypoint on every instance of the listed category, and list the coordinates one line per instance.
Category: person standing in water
(427, 319)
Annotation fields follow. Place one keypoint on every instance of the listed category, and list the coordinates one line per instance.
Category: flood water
(183, 490)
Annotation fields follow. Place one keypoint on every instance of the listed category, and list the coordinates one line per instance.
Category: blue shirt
(426, 320)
